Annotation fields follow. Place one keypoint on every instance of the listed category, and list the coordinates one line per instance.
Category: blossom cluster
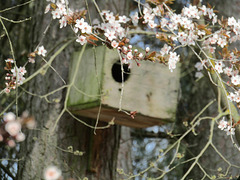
(10, 128)
(15, 75)
(59, 12)
(187, 32)
(223, 125)
(128, 55)
(190, 31)
(113, 25)
(149, 16)
(182, 26)
(67, 16)
(113, 28)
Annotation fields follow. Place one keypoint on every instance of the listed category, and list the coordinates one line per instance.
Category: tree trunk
(71, 146)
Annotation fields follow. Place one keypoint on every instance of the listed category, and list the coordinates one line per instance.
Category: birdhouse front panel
(150, 89)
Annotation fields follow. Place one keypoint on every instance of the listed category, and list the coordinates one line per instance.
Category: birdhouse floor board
(107, 114)
(85, 105)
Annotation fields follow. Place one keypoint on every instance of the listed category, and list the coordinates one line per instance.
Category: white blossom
(110, 35)
(231, 21)
(135, 19)
(173, 59)
(9, 117)
(13, 127)
(165, 49)
(129, 55)
(230, 130)
(222, 124)
(123, 19)
(114, 44)
(81, 39)
(56, 14)
(63, 22)
(235, 79)
(52, 173)
(218, 67)
(198, 74)
(199, 66)
(42, 51)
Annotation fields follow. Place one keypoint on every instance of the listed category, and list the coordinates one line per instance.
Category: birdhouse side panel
(85, 92)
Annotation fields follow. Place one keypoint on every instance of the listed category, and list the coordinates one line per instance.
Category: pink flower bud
(124, 61)
(129, 55)
(147, 49)
(20, 137)
(11, 143)
(124, 49)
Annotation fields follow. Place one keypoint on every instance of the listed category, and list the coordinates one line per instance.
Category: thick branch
(6, 170)
(150, 134)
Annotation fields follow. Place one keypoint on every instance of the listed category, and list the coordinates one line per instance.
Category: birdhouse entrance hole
(117, 72)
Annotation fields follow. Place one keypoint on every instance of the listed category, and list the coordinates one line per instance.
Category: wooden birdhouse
(150, 89)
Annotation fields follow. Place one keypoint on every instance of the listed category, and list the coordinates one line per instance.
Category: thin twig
(19, 5)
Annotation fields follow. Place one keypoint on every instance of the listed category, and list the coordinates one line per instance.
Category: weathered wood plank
(151, 89)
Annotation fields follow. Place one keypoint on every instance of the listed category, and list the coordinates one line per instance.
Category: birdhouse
(151, 89)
